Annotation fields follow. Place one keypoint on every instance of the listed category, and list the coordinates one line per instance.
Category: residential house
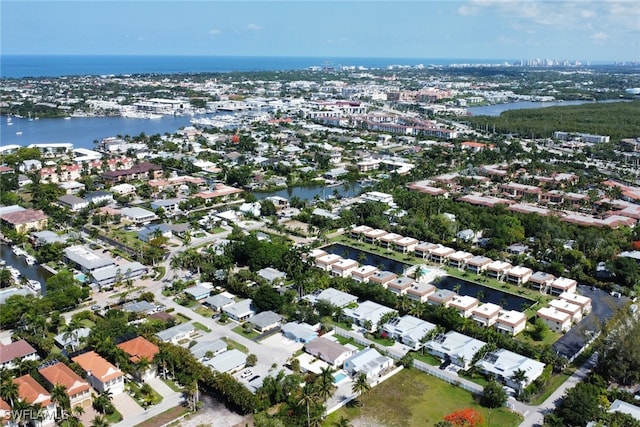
(478, 264)
(273, 276)
(459, 259)
(138, 215)
(498, 269)
(373, 236)
(265, 321)
(626, 408)
(420, 291)
(580, 300)
(25, 220)
(299, 332)
(71, 340)
(34, 394)
(561, 285)
(138, 349)
(198, 292)
(486, 314)
(15, 352)
(218, 302)
(206, 350)
(363, 274)
(330, 351)
(441, 297)
(464, 305)
(409, 330)
(142, 171)
(541, 280)
(456, 347)
(503, 365)
(406, 244)
(101, 374)
(78, 389)
(99, 197)
(73, 203)
(382, 278)
(142, 307)
(177, 333)
(369, 362)
(240, 311)
(388, 240)
(227, 362)
(511, 322)
(440, 254)
(422, 249)
(574, 310)
(343, 267)
(519, 275)
(154, 231)
(400, 285)
(169, 206)
(558, 321)
(367, 314)
(332, 296)
(325, 262)
(358, 231)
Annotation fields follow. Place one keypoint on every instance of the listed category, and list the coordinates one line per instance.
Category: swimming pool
(339, 377)
(80, 277)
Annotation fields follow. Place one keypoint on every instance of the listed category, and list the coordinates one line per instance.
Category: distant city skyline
(479, 29)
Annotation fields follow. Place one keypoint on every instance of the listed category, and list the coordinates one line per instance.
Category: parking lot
(603, 306)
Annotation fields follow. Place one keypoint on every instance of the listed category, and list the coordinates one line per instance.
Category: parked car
(246, 373)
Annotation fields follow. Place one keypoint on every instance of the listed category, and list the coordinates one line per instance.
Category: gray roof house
(228, 361)
(266, 320)
(330, 351)
(139, 307)
(138, 215)
(502, 364)
(368, 362)
(46, 237)
(240, 311)
(176, 333)
(149, 232)
(299, 332)
(272, 275)
(198, 292)
(86, 259)
(111, 274)
(72, 202)
(218, 302)
(201, 349)
(72, 340)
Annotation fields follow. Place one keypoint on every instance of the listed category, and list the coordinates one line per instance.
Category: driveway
(127, 406)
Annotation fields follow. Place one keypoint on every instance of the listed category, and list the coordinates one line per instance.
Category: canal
(310, 192)
(32, 272)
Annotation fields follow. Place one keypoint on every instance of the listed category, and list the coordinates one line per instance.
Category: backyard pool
(81, 277)
(339, 377)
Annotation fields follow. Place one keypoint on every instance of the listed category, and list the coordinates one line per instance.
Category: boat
(34, 284)
(30, 260)
(18, 251)
(19, 133)
(15, 273)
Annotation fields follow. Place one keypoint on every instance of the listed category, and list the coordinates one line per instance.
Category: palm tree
(326, 382)
(99, 421)
(9, 391)
(361, 386)
(520, 376)
(308, 396)
(141, 367)
(60, 396)
(71, 332)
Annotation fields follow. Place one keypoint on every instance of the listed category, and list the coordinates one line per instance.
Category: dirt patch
(164, 418)
(213, 413)
(366, 422)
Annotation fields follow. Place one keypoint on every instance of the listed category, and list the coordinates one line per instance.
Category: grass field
(414, 399)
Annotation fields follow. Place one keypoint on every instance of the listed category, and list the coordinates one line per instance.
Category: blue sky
(519, 29)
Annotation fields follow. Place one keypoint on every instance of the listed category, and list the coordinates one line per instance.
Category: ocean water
(17, 66)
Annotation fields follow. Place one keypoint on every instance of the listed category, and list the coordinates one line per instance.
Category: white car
(246, 373)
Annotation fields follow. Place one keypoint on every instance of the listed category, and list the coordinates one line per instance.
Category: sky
(605, 30)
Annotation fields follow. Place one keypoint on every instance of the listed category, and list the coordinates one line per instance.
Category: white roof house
(333, 296)
(502, 364)
(176, 333)
(367, 311)
(368, 362)
(228, 361)
(138, 215)
(240, 311)
(459, 348)
(626, 408)
(408, 329)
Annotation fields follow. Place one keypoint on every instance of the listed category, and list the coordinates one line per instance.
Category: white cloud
(254, 27)
(467, 10)
(599, 37)
(215, 32)
(587, 14)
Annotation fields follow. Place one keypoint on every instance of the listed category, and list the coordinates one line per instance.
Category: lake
(309, 192)
(497, 109)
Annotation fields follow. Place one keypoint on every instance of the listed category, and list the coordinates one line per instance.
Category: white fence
(448, 377)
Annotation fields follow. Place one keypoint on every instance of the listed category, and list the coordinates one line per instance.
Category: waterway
(309, 192)
(497, 109)
(82, 131)
(483, 293)
(33, 272)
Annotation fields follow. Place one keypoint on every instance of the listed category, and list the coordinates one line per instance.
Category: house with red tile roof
(78, 389)
(33, 393)
(101, 374)
(25, 220)
(14, 352)
(140, 348)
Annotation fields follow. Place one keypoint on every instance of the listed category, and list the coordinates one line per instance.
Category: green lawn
(204, 311)
(387, 342)
(427, 358)
(114, 418)
(172, 385)
(181, 318)
(343, 340)
(234, 344)
(202, 327)
(250, 334)
(414, 399)
(555, 381)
